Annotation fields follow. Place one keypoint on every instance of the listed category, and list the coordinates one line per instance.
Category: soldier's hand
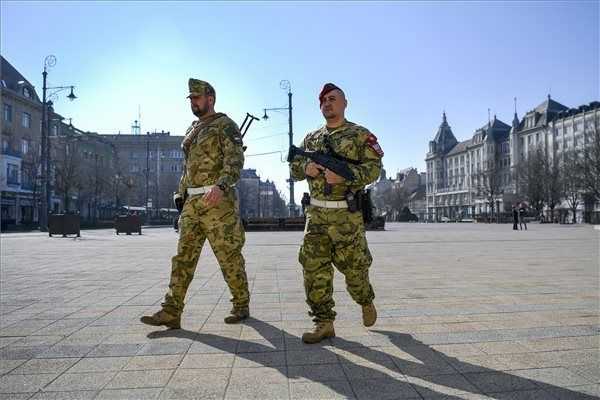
(332, 178)
(313, 169)
(213, 196)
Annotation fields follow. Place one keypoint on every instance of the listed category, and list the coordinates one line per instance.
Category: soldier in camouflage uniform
(333, 234)
(213, 160)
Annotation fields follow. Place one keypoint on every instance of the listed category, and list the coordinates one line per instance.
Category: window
(54, 130)
(134, 168)
(24, 146)
(12, 174)
(27, 92)
(528, 140)
(26, 120)
(5, 145)
(537, 137)
(8, 113)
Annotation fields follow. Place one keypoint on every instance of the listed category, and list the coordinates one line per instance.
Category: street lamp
(49, 62)
(285, 85)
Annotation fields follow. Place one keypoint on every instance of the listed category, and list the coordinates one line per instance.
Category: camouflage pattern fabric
(200, 88)
(213, 155)
(337, 236)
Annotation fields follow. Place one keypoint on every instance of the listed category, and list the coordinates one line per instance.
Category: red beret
(328, 87)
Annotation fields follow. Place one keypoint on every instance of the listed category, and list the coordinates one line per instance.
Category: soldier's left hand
(213, 196)
(332, 178)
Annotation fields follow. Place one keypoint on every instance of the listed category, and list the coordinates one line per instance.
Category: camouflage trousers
(222, 227)
(334, 236)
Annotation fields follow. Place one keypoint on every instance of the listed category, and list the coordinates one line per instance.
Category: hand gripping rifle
(328, 161)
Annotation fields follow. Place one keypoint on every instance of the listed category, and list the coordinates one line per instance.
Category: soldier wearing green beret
(213, 160)
(333, 233)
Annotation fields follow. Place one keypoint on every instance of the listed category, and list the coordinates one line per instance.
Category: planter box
(128, 224)
(64, 224)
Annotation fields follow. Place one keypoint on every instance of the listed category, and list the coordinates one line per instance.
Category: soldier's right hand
(313, 169)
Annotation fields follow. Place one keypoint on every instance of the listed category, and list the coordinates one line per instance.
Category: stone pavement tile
(140, 379)
(194, 378)
(21, 352)
(211, 345)
(15, 396)
(568, 357)
(114, 350)
(46, 366)
(83, 381)
(59, 350)
(518, 361)
(211, 391)
(7, 366)
(454, 350)
(442, 385)
(165, 348)
(268, 391)
(509, 347)
(99, 364)
(321, 390)
(207, 361)
(562, 343)
(486, 363)
(24, 383)
(70, 395)
(258, 376)
(317, 356)
(383, 389)
(316, 373)
(371, 370)
(493, 382)
(266, 359)
(5, 341)
(122, 394)
(126, 338)
(591, 372)
(39, 340)
(422, 361)
(64, 327)
(585, 392)
(22, 328)
(154, 362)
(260, 345)
(557, 376)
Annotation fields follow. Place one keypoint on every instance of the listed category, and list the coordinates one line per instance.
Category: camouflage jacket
(350, 141)
(213, 153)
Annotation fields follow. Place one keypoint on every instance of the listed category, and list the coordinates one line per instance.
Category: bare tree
(573, 179)
(591, 163)
(531, 181)
(31, 172)
(67, 165)
(552, 178)
(489, 184)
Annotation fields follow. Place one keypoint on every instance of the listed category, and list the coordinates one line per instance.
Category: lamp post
(49, 62)
(285, 85)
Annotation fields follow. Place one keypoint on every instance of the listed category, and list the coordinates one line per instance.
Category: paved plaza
(466, 311)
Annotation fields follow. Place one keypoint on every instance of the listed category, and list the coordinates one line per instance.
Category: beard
(200, 112)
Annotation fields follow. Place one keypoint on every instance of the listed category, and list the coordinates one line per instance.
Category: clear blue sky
(400, 63)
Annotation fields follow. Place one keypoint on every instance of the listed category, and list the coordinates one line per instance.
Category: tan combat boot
(237, 315)
(323, 330)
(369, 314)
(162, 318)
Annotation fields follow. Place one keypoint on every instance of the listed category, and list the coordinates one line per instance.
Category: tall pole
(147, 170)
(43, 210)
(292, 204)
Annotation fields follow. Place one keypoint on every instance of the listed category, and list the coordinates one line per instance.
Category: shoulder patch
(232, 132)
(374, 145)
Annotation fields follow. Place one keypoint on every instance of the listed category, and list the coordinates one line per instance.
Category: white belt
(328, 204)
(199, 190)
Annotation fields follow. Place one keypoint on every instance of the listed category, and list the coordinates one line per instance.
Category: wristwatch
(222, 186)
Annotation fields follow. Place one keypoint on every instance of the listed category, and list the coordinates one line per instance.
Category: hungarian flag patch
(372, 142)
